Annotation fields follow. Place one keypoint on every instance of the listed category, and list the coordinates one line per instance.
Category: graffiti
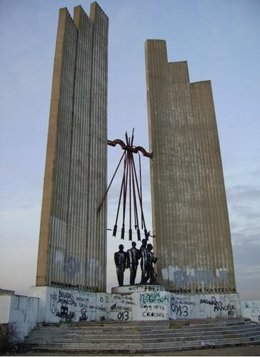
(153, 298)
(152, 314)
(179, 308)
(116, 307)
(53, 303)
(64, 299)
(70, 306)
(179, 276)
(251, 310)
(67, 298)
(71, 267)
(154, 307)
(155, 311)
(82, 301)
(153, 288)
(83, 316)
(219, 305)
(123, 315)
(65, 314)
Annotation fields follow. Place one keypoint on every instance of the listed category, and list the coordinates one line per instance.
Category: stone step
(155, 339)
(136, 331)
(134, 347)
(141, 337)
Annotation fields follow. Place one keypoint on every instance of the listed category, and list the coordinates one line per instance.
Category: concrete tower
(190, 217)
(72, 244)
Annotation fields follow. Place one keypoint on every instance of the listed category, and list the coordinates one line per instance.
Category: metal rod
(105, 195)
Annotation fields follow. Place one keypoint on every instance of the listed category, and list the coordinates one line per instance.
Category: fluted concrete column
(190, 218)
(72, 244)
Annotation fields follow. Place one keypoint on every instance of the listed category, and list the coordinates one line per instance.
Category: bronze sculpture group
(130, 259)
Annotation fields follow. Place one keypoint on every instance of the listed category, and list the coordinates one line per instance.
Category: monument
(193, 277)
(190, 221)
(189, 209)
(72, 244)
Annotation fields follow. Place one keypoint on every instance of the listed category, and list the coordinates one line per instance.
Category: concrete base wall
(152, 302)
(20, 313)
(251, 310)
(133, 303)
(65, 305)
(127, 303)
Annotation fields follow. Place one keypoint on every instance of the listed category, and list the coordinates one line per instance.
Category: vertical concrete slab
(190, 218)
(72, 244)
(5, 304)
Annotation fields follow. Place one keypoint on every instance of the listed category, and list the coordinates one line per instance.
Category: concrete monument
(190, 218)
(72, 244)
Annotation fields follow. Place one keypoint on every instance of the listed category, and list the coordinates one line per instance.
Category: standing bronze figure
(120, 259)
(150, 265)
(143, 255)
(133, 255)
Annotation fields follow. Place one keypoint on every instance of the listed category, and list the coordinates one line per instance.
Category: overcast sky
(220, 41)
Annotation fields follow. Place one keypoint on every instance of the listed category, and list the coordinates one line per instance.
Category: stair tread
(141, 336)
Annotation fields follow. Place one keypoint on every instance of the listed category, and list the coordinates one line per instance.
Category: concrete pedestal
(139, 302)
(153, 302)
(131, 303)
(70, 305)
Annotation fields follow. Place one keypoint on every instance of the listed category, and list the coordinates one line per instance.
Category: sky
(220, 41)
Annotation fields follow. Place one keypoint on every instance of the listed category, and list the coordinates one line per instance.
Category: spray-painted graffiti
(59, 305)
(82, 301)
(179, 276)
(153, 311)
(53, 303)
(72, 305)
(83, 316)
(179, 308)
(123, 315)
(153, 298)
(251, 310)
(71, 267)
(153, 305)
(122, 306)
(219, 305)
(67, 298)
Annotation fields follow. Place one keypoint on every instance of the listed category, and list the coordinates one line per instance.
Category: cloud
(244, 192)
(244, 211)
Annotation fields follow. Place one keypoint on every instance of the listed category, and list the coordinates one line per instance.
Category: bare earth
(250, 350)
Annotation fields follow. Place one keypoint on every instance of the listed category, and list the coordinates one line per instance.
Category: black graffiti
(123, 315)
(67, 298)
(53, 303)
(219, 306)
(65, 314)
(83, 316)
(71, 267)
(179, 309)
(152, 314)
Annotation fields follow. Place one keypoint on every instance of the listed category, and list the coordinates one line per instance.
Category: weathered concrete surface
(141, 337)
(240, 350)
(190, 218)
(72, 244)
(70, 305)
(20, 313)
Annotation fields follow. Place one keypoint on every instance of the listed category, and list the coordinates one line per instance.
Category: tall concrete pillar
(190, 217)
(72, 244)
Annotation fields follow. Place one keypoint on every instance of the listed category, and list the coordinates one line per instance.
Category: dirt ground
(250, 350)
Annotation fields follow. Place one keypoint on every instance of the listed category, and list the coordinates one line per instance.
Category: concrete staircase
(140, 337)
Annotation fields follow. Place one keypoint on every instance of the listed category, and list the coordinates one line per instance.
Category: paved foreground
(250, 350)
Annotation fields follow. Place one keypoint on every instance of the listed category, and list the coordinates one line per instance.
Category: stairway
(141, 337)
